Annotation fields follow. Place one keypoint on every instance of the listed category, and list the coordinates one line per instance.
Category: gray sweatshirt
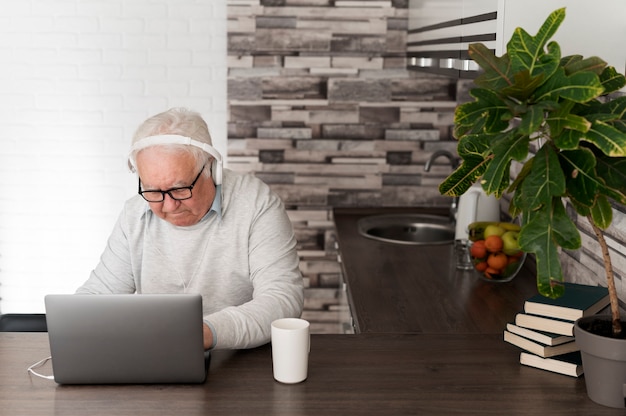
(243, 262)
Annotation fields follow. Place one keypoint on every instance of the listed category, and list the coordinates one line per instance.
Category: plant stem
(610, 280)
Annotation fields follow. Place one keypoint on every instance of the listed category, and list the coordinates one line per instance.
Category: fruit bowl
(495, 252)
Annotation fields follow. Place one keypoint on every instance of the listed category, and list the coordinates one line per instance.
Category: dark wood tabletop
(394, 288)
(429, 342)
(363, 374)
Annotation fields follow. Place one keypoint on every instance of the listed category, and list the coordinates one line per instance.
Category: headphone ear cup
(216, 168)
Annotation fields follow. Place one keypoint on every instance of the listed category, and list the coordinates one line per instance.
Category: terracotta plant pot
(604, 360)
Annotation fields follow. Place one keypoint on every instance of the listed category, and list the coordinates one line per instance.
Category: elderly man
(198, 228)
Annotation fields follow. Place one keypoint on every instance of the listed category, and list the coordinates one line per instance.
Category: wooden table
(429, 343)
(365, 374)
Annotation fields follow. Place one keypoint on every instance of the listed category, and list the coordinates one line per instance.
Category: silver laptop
(127, 339)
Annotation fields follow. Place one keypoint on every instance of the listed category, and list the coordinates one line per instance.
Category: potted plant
(551, 114)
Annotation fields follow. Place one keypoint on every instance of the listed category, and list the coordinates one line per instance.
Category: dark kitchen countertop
(395, 288)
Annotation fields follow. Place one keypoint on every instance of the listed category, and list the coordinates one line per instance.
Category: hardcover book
(538, 348)
(541, 323)
(546, 338)
(577, 301)
(568, 364)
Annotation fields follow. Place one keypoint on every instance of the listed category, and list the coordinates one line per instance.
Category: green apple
(510, 245)
(493, 229)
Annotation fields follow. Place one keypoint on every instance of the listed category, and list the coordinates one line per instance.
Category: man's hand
(208, 336)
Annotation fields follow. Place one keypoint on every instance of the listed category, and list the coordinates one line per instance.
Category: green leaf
(568, 139)
(509, 146)
(612, 80)
(527, 52)
(516, 204)
(487, 112)
(602, 213)
(496, 69)
(512, 145)
(579, 87)
(545, 180)
(521, 176)
(579, 168)
(614, 109)
(523, 85)
(612, 112)
(577, 64)
(571, 122)
(564, 231)
(505, 182)
(582, 210)
(536, 237)
(570, 60)
(475, 144)
(611, 141)
(532, 120)
(464, 176)
(613, 172)
(562, 118)
(554, 289)
(545, 230)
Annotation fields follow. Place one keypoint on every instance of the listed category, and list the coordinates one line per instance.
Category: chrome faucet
(454, 163)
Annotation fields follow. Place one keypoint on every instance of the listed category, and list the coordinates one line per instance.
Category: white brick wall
(76, 78)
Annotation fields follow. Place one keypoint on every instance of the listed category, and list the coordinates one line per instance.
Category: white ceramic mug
(290, 350)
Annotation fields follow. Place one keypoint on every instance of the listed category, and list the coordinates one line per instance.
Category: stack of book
(545, 329)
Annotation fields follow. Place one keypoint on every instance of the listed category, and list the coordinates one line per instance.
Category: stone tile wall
(322, 108)
(329, 116)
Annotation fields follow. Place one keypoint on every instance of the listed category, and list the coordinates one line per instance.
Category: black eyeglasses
(178, 194)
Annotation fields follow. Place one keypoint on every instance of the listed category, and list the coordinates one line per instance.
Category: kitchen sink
(416, 229)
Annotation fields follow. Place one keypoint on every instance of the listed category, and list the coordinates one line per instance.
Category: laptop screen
(112, 339)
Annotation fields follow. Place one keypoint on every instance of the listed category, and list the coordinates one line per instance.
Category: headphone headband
(163, 139)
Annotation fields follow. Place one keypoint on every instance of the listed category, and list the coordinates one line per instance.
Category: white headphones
(177, 139)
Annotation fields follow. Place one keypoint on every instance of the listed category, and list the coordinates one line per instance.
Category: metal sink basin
(415, 229)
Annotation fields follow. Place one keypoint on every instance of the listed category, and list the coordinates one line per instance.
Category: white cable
(38, 364)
